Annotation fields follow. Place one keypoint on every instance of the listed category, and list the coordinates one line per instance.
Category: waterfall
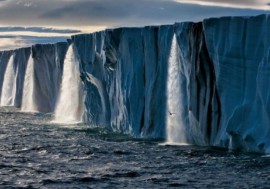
(9, 84)
(28, 101)
(69, 108)
(174, 121)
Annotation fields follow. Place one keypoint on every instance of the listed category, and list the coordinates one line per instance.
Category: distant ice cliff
(204, 83)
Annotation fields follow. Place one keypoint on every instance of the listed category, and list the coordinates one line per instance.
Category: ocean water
(35, 153)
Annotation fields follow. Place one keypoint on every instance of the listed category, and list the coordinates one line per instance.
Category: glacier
(204, 83)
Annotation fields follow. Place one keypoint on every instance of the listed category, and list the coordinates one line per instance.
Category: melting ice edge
(223, 81)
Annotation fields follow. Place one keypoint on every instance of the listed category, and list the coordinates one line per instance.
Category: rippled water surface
(37, 154)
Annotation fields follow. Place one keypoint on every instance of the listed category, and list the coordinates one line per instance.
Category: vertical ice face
(9, 84)
(175, 124)
(48, 65)
(69, 108)
(213, 91)
(28, 100)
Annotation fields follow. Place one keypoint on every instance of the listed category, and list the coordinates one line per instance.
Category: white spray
(69, 108)
(175, 124)
(9, 84)
(28, 100)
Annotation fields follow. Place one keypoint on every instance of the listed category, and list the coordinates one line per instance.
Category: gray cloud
(110, 13)
(238, 2)
(113, 13)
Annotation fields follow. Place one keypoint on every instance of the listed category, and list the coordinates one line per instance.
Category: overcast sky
(92, 15)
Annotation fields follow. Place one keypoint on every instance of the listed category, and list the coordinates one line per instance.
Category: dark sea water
(35, 153)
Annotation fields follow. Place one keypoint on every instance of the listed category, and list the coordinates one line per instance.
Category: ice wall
(220, 82)
(48, 65)
(239, 49)
(122, 71)
(201, 101)
(12, 75)
(89, 51)
(21, 57)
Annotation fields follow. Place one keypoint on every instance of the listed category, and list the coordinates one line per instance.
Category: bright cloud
(241, 4)
(11, 43)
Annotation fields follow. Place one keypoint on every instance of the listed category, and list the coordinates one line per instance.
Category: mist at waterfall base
(37, 153)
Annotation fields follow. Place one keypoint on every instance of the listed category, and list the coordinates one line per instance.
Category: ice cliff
(202, 83)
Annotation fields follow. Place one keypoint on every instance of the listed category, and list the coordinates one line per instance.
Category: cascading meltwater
(175, 132)
(219, 90)
(69, 107)
(9, 84)
(28, 101)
